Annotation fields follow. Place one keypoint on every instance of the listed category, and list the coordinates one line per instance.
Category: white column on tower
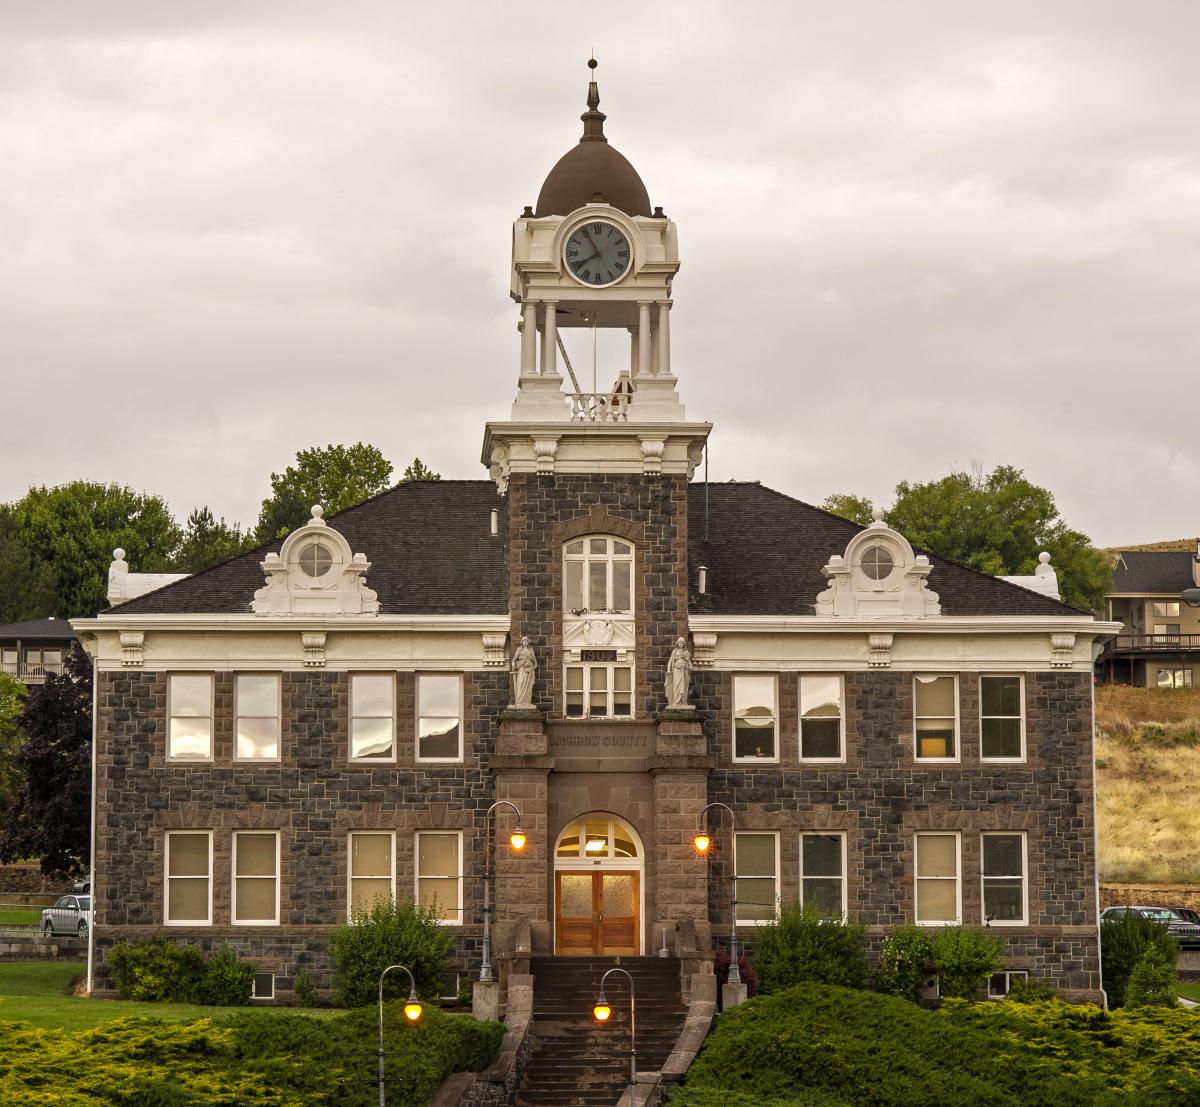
(633, 352)
(664, 338)
(528, 339)
(550, 339)
(645, 365)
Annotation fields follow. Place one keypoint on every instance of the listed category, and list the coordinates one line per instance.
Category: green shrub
(818, 1046)
(1123, 942)
(156, 969)
(802, 947)
(388, 934)
(228, 980)
(1032, 989)
(965, 958)
(1152, 982)
(306, 991)
(902, 961)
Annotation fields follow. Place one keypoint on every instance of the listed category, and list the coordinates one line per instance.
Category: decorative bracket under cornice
(1062, 650)
(493, 650)
(132, 648)
(879, 651)
(704, 650)
(313, 642)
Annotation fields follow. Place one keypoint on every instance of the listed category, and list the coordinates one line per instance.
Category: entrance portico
(598, 882)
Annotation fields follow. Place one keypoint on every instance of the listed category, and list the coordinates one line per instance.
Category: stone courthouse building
(328, 719)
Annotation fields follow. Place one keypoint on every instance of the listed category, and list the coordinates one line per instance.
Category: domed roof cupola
(593, 170)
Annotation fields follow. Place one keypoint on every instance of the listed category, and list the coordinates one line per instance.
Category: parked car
(1187, 934)
(1187, 914)
(73, 915)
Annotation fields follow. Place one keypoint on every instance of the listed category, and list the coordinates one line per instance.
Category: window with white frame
(1000, 983)
(439, 717)
(1004, 887)
(1174, 678)
(264, 986)
(756, 865)
(939, 889)
(599, 691)
(439, 873)
(755, 734)
(823, 872)
(255, 878)
(373, 717)
(189, 878)
(597, 576)
(935, 717)
(1001, 722)
(1166, 609)
(822, 717)
(372, 869)
(190, 717)
(257, 699)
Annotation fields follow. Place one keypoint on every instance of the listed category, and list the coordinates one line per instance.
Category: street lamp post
(412, 1011)
(703, 843)
(603, 1012)
(517, 841)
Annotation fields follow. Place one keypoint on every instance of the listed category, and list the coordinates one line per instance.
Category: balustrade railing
(599, 407)
(30, 673)
(1161, 643)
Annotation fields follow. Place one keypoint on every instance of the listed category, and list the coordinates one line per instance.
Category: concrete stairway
(578, 1062)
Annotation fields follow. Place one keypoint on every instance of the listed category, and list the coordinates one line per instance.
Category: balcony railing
(599, 407)
(1154, 643)
(30, 674)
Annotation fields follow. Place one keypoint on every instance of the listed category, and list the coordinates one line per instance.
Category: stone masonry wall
(651, 512)
(880, 797)
(314, 797)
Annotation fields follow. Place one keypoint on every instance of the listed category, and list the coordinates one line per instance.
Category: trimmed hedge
(822, 1046)
(158, 970)
(251, 1058)
(803, 947)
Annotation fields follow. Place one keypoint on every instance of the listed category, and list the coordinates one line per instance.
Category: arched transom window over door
(597, 888)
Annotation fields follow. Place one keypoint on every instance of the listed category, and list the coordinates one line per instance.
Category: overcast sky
(914, 236)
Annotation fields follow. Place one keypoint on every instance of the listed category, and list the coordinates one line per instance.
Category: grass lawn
(36, 992)
(1190, 990)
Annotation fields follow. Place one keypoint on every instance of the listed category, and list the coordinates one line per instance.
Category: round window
(315, 560)
(877, 562)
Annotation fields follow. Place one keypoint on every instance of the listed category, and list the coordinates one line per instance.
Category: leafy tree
(857, 509)
(208, 542)
(965, 958)
(1124, 942)
(996, 522)
(51, 815)
(12, 737)
(336, 477)
(26, 584)
(1152, 982)
(418, 470)
(805, 947)
(74, 528)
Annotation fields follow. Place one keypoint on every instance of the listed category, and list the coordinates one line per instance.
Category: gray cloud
(914, 236)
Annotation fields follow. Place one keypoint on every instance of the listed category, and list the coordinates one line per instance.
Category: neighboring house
(1156, 597)
(327, 720)
(32, 650)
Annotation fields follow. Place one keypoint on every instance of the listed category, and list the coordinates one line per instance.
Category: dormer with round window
(315, 573)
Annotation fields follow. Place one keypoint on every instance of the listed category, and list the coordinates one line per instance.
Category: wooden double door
(597, 913)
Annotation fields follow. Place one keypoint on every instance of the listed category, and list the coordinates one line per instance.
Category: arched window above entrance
(597, 837)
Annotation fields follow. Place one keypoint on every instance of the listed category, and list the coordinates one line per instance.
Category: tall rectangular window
(1001, 722)
(597, 576)
(189, 878)
(257, 698)
(823, 873)
(939, 894)
(756, 865)
(190, 716)
(935, 717)
(373, 717)
(599, 691)
(822, 717)
(439, 718)
(255, 877)
(372, 869)
(754, 715)
(439, 873)
(1004, 891)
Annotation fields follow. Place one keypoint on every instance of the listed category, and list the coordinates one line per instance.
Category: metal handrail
(1167, 643)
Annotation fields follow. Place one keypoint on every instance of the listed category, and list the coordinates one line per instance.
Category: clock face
(597, 254)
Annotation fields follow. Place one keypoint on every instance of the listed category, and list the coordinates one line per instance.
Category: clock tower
(591, 260)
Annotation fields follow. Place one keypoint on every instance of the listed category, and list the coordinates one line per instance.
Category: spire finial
(593, 118)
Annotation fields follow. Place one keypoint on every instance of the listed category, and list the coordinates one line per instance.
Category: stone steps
(576, 1061)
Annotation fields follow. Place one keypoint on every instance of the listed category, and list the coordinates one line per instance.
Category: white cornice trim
(377, 624)
(941, 624)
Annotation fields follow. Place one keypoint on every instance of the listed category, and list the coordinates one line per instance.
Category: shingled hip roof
(1153, 572)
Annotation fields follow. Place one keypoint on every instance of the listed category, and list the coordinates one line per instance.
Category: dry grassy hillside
(1148, 784)
(1154, 547)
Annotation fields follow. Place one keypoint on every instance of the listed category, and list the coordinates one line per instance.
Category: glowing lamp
(596, 845)
(517, 839)
(702, 842)
(413, 1010)
(602, 1011)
